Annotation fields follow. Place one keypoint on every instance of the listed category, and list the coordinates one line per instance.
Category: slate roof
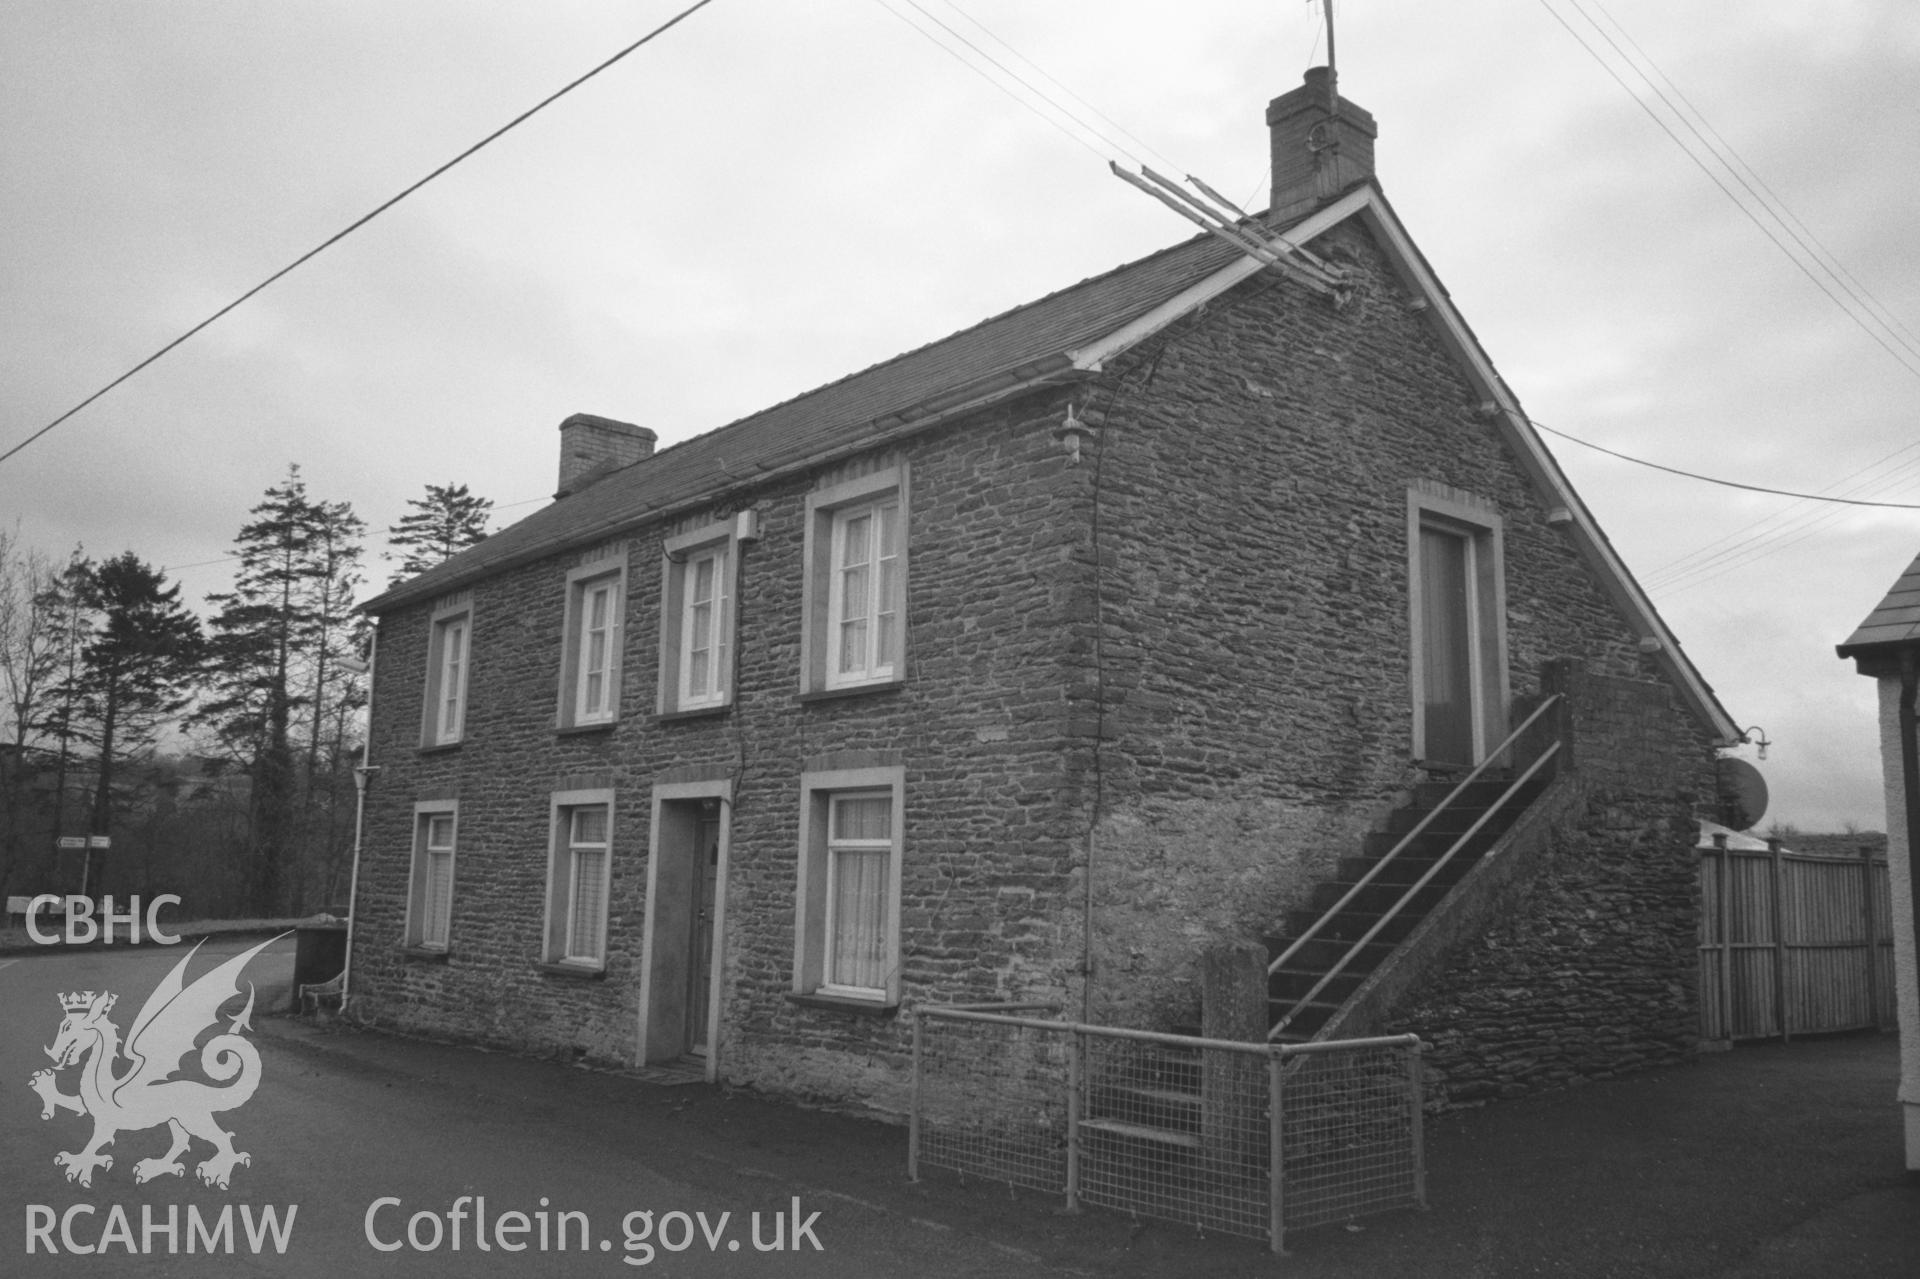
(1894, 622)
(1025, 342)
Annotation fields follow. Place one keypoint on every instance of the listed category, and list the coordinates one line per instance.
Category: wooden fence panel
(1793, 944)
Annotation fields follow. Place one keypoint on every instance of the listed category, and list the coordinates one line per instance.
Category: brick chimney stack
(1319, 148)
(593, 447)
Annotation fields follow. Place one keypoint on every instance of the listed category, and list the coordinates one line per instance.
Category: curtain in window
(887, 610)
(587, 908)
(595, 635)
(439, 898)
(588, 925)
(859, 938)
(860, 917)
(856, 554)
(453, 658)
(705, 637)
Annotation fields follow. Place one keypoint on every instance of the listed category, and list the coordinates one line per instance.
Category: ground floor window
(579, 871)
(848, 938)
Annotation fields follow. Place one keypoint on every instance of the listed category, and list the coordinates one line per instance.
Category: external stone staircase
(1349, 930)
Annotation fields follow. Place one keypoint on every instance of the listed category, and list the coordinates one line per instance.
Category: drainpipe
(360, 776)
(1910, 779)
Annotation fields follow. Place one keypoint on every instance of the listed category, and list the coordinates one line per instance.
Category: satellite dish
(1742, 794)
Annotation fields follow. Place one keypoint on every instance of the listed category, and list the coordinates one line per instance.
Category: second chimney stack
(592, 447)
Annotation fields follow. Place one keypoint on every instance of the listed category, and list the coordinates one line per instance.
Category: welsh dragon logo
(145, 1094)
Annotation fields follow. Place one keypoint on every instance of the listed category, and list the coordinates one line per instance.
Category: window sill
(853, 690)
(424, 955)
(845, 1004)
(438, 748)
(586, 730)
(579, 972)
(697, 712)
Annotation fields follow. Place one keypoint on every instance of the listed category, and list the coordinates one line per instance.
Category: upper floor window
(863, 608)
(448, 653)
(697, 616)
(856, 588)
(590, 661)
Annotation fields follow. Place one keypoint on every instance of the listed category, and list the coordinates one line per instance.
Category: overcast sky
(773, 195)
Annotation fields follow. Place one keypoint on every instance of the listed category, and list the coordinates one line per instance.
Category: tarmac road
(374, 1155)
(1769, 1162)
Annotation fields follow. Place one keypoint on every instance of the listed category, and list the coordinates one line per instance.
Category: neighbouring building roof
(1894, 622)
(1738, 840)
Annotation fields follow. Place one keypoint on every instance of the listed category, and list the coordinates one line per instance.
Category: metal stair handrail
(1419, 828)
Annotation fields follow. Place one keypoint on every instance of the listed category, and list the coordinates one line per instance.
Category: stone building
(1029, 665)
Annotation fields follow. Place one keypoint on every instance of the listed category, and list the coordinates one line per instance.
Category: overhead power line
(361, 221)
(1783, 528)
(1737, 163)
(1724, 483)
(1057, 83)
(1849, 297)
(1011, 74)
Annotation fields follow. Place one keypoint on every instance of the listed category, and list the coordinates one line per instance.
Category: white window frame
(1454, 511)
(449, 666)
(583, 584)
(717, 544)
(829, 512)
(564, 855)
(423, 931)
(813, 930)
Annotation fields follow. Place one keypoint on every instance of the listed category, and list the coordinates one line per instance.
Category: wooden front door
(1449, 648)
(700, 935)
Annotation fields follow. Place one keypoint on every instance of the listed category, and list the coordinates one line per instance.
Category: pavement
(1764, 1162)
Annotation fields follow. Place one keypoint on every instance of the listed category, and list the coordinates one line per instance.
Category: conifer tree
(275, 676)
(139, 656)
(447, 520)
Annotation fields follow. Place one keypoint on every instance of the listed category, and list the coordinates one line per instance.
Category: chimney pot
(1322, 144)
(594, 447)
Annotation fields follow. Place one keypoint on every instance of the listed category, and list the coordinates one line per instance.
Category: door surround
(672, 872)
(1439, 508)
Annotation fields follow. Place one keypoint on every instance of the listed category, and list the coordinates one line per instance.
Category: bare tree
(33, 634)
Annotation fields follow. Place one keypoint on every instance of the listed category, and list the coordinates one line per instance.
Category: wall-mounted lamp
(1072, 434)
(1755, 736)
(1558, 516)
(1650, 644)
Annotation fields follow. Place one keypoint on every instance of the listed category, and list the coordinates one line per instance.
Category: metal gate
(1170, 1126)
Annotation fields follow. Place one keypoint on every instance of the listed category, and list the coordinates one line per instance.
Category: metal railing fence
(1170, 1126)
